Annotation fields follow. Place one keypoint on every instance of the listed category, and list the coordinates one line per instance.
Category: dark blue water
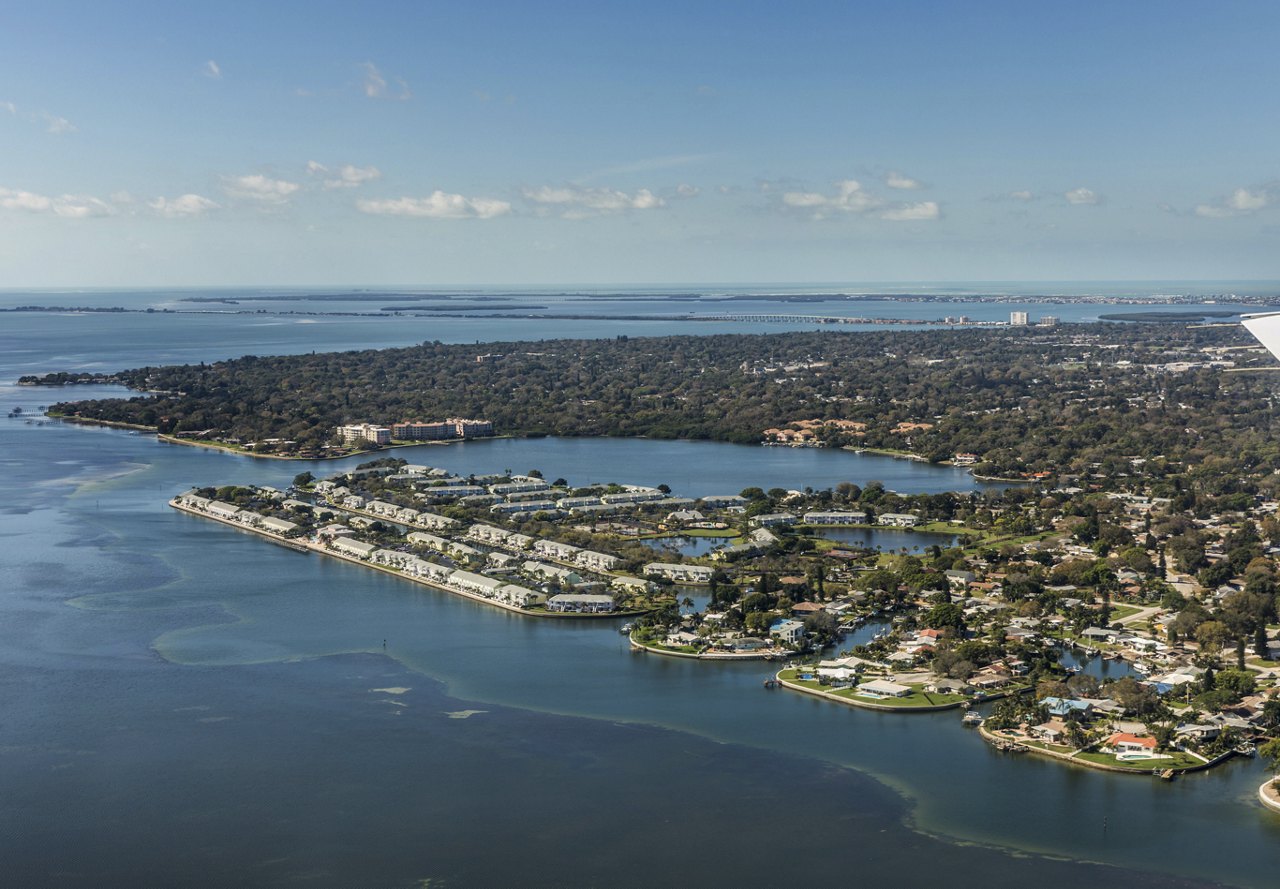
(185, 704)
(888, 539)
(690, 468)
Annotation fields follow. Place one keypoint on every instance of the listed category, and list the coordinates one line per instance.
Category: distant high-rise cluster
(1017, 319)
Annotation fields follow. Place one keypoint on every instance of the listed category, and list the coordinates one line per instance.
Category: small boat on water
(973, 717)
(626, 629)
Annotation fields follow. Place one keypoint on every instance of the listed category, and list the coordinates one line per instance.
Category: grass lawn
(912, 701)
(916, 699)
(1175, 760)
(1045, 745)
(1120, 612)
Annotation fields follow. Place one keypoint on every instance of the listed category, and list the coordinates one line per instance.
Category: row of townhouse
(452, 492)
(547, 571)
(769, 520)
(443, 545)
(409, 515)
(523, 486)
(633, 494)
(232, 513)
(680, 573)
(835, 517)
(897, 519)
(440, 575)
(524, 506)
(722, 501)
(494, 536)
(581, 603)
(583, 558)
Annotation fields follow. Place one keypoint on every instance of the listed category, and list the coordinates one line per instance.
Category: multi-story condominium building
(354, 432)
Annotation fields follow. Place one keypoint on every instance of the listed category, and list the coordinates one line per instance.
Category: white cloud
(912, 212)
(182, 207)
(212, 70)
(24, 200)
(374, 83)
(69, 206)
(898, 180)
(685, 190)
(576, 202)
(1082, 196)
(437, 205)
(1241, 202)
(1214, 211)
(10, 107)
(1246, 201)
(57, 125)
(849, 197)
(1022, 195)
(77, 206)
(257, 187)
(346, 176)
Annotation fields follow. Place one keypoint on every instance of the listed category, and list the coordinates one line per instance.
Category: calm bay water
(186, 704)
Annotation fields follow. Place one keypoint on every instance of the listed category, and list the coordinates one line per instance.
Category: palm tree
(1270, 752)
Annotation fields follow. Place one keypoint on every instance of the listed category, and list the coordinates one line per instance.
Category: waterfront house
(882, 688)
(787, 631)
(475, 583)
(351, 547)
(521, 597)
(222, 510)
(1068, 706)
(1124, 742)
(1053, 731)
(277, 526)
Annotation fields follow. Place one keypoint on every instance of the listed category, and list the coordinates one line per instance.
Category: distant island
(1182, 317)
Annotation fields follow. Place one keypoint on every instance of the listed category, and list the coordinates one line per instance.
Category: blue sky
(544, 143)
